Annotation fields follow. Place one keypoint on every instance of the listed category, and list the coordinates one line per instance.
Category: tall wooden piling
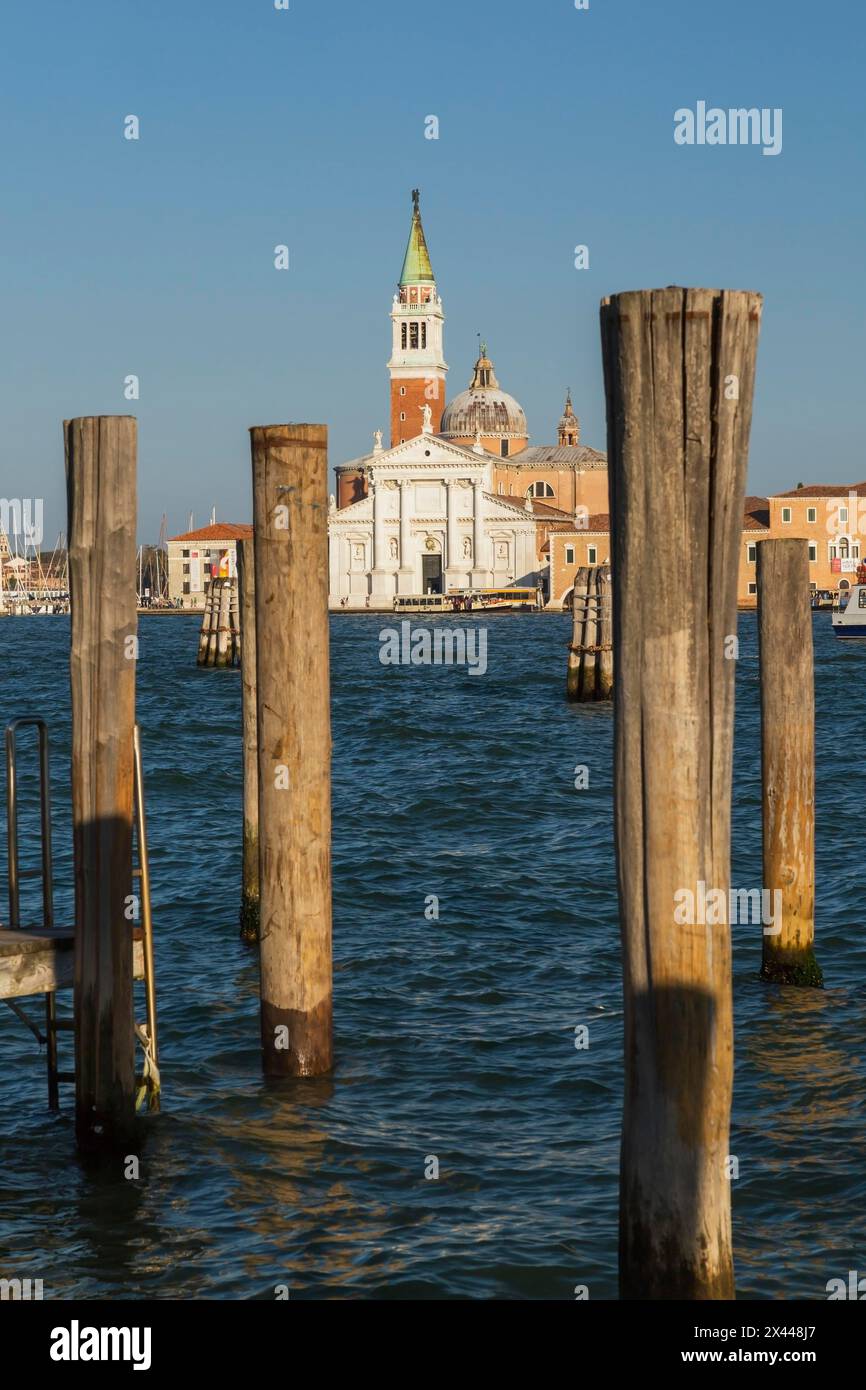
(787, 761)
(219, 641)
(250, 862)
(679, 369)
(590, 638)
(206, 625)
(290, 512)
(604, 677)
(575, 650)
(101, 493)
(590, 657)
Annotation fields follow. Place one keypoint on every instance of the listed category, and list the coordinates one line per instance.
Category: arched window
(540, 490)
(404, 334)
(413, 335)
(424, 334)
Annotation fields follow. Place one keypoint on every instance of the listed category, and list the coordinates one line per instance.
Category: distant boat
(849, 622)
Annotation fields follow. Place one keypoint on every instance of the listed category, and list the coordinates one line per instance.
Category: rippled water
(454, 1037)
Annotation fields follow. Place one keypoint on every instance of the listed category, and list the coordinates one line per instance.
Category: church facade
(458, 499)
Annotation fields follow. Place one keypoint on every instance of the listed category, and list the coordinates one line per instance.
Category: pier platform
(39, 962)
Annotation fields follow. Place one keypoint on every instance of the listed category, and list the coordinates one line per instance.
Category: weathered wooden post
(223, 632)
(679, 369)
(206, 625)
(101, 492)
(604, 688)
(787, 761)
(290, 512)
(590, 637)
(575, 650)
(250, 869)
(234, 623)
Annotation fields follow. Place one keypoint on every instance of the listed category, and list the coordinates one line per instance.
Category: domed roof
(485, 409)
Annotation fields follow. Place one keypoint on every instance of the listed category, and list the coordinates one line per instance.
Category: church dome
(485, 409)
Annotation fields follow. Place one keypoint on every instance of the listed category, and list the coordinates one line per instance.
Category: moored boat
(850, 622)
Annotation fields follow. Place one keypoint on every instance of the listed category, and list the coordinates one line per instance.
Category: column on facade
(378, 525)
(405, 556)
(478, 559)
(453, 544)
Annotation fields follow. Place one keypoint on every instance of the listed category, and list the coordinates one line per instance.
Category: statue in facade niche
(428, 419)
(467, 548)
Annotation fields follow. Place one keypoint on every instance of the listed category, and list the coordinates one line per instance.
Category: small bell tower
(569, 425)
(417, 367)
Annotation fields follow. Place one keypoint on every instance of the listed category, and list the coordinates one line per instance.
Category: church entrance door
(431, 574)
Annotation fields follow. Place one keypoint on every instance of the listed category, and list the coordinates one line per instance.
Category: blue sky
(306, 127)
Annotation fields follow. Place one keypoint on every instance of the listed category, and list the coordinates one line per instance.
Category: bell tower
(417, 367)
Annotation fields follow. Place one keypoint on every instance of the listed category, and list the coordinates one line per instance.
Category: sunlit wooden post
(679, 370)
(578, 621)
(787, 761)
(604, 688)
(250, 865)
(290, 509)
(100, 477)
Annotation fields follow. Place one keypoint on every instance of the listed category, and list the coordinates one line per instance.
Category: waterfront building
(831, 517)
(196, 556)
(460, 498)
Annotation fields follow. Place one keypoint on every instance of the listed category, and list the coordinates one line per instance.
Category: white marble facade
(428, 523)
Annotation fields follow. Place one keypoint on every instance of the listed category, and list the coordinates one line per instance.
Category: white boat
(850, 622)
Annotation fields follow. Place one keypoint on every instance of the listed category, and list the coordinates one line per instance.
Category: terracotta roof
(541, 455)
(825, 490)
(219, 531)
(756, 514)
(545, 510)
(596, 525)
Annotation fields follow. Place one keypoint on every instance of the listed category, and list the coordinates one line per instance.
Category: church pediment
(427, 450)
(362, 510)
(506, 509)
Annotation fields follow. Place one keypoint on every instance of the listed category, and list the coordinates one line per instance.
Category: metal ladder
(148, 1082)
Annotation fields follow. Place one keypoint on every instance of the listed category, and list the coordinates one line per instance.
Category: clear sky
(307, 127)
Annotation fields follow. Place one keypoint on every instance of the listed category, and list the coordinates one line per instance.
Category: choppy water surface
(454, 1037)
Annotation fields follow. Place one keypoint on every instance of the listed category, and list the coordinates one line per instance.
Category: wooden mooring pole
(575, 650)
(679, 369)
(290, 514)
(101, 492)
(250, 863)
(590, 657)
(220, 639)
(787, 761)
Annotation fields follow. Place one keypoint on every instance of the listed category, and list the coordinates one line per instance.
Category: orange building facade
(831, 518)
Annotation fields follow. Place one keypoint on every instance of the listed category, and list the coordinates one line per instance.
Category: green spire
(417, 269)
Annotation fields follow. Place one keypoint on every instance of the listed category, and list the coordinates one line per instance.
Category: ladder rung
(136, 873)
(65, 1075)
(63, 1025)
(29, 873)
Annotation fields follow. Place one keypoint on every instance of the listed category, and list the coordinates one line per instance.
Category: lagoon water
(454, 1037)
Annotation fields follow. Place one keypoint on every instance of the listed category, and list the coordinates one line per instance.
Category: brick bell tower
(417, 366)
